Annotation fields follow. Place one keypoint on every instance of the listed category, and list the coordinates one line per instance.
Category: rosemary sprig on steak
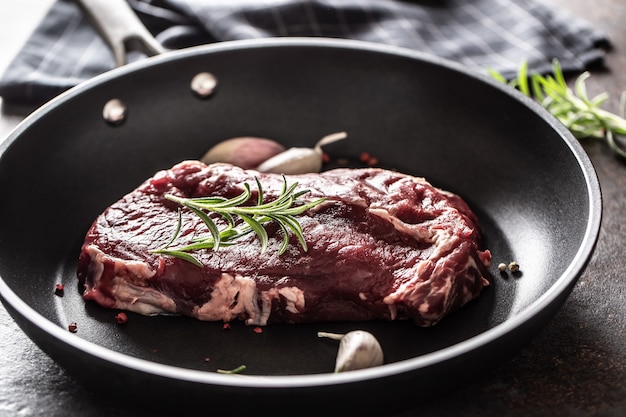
(283, 211)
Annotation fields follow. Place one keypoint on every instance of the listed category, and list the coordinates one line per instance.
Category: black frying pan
(529, 181)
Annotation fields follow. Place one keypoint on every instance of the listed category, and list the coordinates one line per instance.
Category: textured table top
(575, 367)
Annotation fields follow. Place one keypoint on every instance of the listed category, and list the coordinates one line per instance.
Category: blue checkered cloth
(65, 49)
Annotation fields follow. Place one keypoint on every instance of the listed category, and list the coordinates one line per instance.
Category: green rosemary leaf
(285, 199)
(196, 245)
(182, 255)
(522, 79)
(598, 100)
(300, 193)
(176, 231)
(258, 229)
(285, 244)
(231, 233)
(294, 211)
(291, 224)
(235, 201)
(237, 370)
(275, 206)
(581, 89)
(535, 82)
(614, 147)
(558, 73)
(210, 224)
(259, 188)
(209, 200)
(496, 75)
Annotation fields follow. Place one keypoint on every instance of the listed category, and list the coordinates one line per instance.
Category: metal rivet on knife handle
(114, 112)
(203, 84)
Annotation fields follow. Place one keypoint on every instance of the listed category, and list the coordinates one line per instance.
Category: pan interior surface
(529, 182)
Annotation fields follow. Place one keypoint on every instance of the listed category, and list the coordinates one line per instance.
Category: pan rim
(560, 288)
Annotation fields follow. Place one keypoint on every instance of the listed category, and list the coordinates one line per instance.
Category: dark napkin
(498, 34)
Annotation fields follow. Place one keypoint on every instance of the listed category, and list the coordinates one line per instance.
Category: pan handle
(120, 27)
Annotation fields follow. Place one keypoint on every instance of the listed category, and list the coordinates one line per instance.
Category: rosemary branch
(283, 211)
(582, 115)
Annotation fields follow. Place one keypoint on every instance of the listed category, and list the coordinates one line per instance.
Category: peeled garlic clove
(358, 349)
(330, 139)
(299, 160)
(293, 161)
(245, 152)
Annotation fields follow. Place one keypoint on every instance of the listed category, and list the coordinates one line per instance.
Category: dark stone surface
(575, 367)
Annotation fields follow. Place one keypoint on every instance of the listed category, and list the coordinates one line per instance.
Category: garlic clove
(328, 139)
(300, 160)
(245, 152)
(293, 161)
(358, 349)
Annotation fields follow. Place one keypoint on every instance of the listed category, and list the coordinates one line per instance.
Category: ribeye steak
(384, 245)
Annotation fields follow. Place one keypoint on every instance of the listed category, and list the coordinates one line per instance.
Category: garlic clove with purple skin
(358, 349)
(245, 152)
(298, 160)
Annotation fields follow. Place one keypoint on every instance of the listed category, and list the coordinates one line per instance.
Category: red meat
(384, 245)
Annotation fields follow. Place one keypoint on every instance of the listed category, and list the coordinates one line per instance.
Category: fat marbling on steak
(384, 245)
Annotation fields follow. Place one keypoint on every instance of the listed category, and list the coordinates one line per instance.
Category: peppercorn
(368, 159)
(59, 289)
(121, 318)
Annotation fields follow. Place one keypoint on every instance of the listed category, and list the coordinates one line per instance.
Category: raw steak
(384, 245)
